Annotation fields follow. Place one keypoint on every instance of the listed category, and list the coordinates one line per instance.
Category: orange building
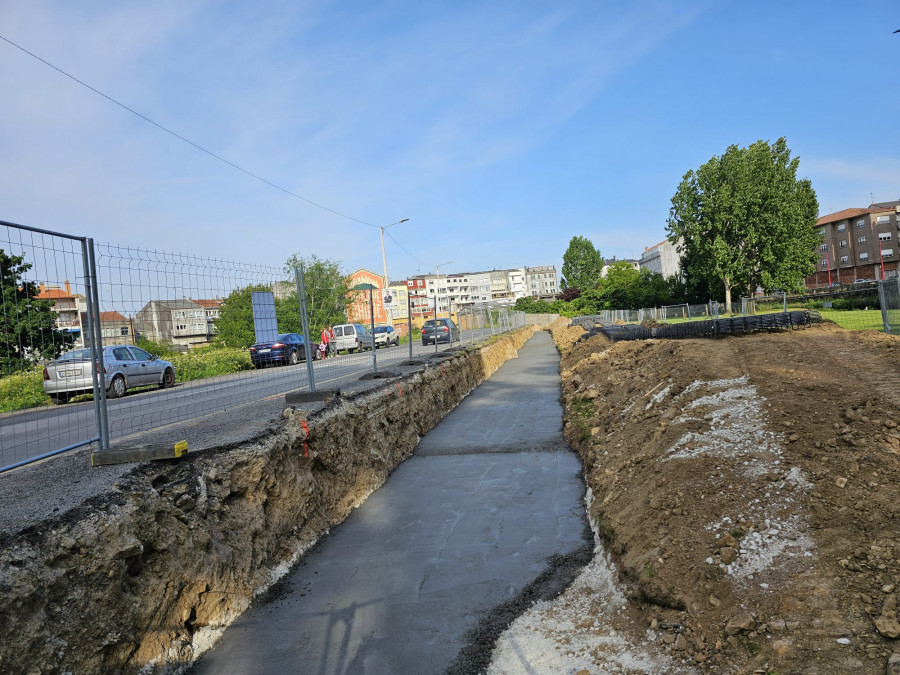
(358, 311)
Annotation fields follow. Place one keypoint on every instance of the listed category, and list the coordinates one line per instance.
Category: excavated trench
(144, 577)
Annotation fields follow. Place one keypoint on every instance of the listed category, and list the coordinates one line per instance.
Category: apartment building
(857, 244)
(181, 322)
(68, 306)
(541, 281)
(662, 259)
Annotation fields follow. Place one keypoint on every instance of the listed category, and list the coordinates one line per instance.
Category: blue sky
(500, 129)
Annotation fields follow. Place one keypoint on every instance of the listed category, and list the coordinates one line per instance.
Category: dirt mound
(747, 491)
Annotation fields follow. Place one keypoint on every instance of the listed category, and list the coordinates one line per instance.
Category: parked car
(439, 330)
(352, 336)
(125, 367)
(385, 336)
(286, 349)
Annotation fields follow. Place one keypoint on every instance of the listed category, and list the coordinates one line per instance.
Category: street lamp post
(437, 273)
(383, 259)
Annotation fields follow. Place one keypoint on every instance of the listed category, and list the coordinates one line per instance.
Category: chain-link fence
(102, 342)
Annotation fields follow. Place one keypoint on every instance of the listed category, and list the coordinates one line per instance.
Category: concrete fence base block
(382, 375)
(139, 453)
(294, 397)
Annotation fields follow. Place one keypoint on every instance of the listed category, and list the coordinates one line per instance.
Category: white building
(609, 262)
(541, 282)
(662, 259)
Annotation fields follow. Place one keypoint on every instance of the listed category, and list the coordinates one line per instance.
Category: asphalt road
(31, 433)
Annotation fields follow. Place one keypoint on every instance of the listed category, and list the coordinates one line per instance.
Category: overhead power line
(186, 140)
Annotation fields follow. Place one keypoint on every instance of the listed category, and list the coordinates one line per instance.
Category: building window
(861, 240)
(823, 247)
(883, 220)
(824, 262)
(842, 227)
(863, 256)
(180, 326)
(124, 331)
(860, 223)
(884, 236)
(843, 260)
(887, 253)
(843, 244)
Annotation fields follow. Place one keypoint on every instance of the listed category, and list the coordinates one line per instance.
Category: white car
(351, 336)
(385, 336)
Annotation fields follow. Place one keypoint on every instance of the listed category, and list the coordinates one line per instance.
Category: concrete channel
(463, 536)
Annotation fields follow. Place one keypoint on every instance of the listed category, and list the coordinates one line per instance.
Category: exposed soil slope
(748, 492)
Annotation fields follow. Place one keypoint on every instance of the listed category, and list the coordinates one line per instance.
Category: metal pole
(97, 339)
(491, 319)
(372, 318)
(435, 319)
(409, 320)
(304, 319)
(785, 301)
(95, 357)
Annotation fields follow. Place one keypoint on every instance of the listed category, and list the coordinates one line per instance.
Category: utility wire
(185, 140)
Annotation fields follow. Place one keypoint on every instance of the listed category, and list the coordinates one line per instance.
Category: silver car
(125, 367)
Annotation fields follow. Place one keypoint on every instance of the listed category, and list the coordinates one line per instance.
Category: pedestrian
(323, 345)
(332, 345)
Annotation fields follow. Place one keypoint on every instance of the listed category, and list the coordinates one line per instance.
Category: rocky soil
(746, 491)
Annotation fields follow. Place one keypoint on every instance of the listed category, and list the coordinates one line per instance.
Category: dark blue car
(287, 349)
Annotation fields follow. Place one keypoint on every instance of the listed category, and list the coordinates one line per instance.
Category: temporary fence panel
(47, 309)
(889, 298)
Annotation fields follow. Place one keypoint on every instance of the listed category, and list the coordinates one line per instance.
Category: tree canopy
(326, 303)
(746, 220)
(582, 264)
(28, 329)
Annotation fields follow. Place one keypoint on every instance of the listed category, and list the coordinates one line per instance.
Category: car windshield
(382, 329)
(284, 337)
(431, 323)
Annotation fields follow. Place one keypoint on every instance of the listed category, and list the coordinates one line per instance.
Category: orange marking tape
(400, 389)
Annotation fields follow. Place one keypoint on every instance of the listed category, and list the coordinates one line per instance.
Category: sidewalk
(457, 530)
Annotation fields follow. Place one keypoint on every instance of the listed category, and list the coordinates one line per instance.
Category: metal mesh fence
(175, 338)
(889, 297)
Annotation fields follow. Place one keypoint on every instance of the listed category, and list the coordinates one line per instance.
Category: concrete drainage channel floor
(424, 574)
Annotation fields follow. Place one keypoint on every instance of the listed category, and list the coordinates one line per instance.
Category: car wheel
(168, 380)
(117, 387)
(294, 359)
(317, 355)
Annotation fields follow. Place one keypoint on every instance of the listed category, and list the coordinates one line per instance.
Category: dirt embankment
(748, 491)
(153, 571)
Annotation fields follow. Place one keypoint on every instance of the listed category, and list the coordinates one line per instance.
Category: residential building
(115, 329)
(68, 306)
(181, 322)
(541, 282)
(211, 308)
(662, 259)
(857, 244)
(517, 282)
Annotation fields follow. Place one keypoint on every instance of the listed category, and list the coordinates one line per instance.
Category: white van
(352, 336)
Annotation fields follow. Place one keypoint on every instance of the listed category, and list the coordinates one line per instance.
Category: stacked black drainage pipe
(706, 329)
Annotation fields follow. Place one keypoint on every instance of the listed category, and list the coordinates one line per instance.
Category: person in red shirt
(327, 337)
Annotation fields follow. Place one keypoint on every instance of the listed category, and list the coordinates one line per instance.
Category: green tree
(28, 329)
(582, 264)
(234, 327)
(325, 284)
(745, 220)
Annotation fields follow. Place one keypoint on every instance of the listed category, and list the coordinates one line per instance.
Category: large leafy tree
(28, 329)
(325, 284)
(582, 264)
(625, 288)
(746, 220)
(326, 303)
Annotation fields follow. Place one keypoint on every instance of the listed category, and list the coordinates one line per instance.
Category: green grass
(851, 319)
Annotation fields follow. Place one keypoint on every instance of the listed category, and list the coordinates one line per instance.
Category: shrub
(209, 362)
(23, 390)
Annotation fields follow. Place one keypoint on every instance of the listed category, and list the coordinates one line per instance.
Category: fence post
(95, 356)
(409, 323)
(97, 345)
(304, 321)
(785, 301)
(372, 322)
